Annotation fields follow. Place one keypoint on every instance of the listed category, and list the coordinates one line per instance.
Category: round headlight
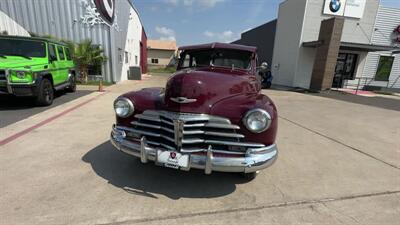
(21, 74)
(123, 107)
(257, 120)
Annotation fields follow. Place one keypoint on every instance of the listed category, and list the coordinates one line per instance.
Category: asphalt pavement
(13, 109)
(339, 163)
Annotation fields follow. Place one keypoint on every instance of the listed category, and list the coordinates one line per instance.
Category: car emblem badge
(183, 100)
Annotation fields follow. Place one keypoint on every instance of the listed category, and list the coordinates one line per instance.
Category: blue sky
(202, 21)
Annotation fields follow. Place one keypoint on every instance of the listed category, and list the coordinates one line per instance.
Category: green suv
(35, 67)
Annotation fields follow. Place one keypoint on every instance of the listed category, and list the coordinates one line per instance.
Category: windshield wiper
(3, 56)
(21, 55)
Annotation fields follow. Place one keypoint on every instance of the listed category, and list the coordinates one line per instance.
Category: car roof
(220, 46)
(33, 38)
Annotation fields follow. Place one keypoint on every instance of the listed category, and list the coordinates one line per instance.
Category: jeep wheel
(45, 94)
(250, 176)
(72, 84)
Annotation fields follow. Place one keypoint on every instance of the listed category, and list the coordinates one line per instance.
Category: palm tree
(86, 55)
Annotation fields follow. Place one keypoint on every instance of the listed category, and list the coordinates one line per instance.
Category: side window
(61, 52)
(67, 54)
(52, 52)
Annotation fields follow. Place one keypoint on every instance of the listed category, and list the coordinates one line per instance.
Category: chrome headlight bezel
(128, 103)
(20, 74)
(250, 113)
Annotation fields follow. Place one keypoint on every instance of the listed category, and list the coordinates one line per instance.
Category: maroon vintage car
(210, 116)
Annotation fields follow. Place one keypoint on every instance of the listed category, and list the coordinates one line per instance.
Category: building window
(136, 60)
(126, 57)
(384, 67)
(120, 56)
(154, 61)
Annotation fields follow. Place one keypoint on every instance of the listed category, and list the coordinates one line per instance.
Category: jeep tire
(72, 84)
(45, 95)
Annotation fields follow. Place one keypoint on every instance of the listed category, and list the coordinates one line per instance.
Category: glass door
(344, 70)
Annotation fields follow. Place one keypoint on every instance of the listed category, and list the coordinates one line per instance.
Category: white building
(115, 25)
(319, 44)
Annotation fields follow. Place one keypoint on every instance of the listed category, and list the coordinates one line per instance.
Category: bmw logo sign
(334, 6)
(106, 9)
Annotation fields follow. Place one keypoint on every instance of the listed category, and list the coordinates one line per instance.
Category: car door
(62, 65)
(68, 57)
(53, 63)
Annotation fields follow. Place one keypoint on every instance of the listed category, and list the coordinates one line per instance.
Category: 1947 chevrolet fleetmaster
(210, 116)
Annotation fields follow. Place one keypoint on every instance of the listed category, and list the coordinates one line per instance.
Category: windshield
(24, 48)
(234, 59)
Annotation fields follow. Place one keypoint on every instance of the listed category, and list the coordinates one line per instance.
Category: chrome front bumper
(254, 159)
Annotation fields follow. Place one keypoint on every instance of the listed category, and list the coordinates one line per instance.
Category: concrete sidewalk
(338, 164)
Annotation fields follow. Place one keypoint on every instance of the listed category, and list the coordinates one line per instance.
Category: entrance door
(345, 67)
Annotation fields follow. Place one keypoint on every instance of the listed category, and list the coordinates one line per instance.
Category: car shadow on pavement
(127, 172)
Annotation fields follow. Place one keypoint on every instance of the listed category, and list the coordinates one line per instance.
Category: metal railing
(360, 84)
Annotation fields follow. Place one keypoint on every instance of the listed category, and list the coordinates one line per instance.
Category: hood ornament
(183, 100)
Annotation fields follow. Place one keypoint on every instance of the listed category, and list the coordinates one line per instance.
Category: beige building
(160, 53)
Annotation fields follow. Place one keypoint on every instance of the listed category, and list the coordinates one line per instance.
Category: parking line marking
(46, 121)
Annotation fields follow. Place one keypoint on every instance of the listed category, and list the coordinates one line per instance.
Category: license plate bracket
(174, 160)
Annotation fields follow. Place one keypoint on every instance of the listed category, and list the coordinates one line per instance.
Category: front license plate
(172, 159)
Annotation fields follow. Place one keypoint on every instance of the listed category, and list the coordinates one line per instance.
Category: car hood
(200, 89)
(12, 62)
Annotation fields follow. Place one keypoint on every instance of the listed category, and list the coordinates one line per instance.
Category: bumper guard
(253, 161)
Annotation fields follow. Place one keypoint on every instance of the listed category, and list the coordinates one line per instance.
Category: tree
(86, 55)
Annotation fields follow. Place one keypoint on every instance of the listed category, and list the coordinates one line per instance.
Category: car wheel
(46, 93)
(250, 176)
(72, 84)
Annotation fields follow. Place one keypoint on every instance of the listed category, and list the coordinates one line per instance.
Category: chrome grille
(187, 132)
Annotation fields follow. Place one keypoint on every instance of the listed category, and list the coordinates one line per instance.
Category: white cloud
(170, 38)
(225, 36)
(189, 3)
(209, 33)
(209, 3)
(165, 33)
(153, 8)
(172, 2)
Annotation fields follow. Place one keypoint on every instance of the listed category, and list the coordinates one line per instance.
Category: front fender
(144, 99)
(235, 109)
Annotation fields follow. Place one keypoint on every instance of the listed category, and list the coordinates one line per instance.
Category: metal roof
(32, 38)
(354, 46)
(220, 46)
(161, 45)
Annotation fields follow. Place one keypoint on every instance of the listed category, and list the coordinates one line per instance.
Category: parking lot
(339, 163)
(14, 109)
